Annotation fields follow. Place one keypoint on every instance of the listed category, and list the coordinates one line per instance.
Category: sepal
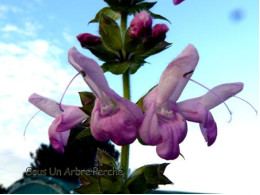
(147, 178)
(110, 33)
(107, 11)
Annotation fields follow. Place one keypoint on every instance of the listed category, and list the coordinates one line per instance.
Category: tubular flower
(197, 109)
(113, 117)
(176, 2)
(164, 123)
(64, 120)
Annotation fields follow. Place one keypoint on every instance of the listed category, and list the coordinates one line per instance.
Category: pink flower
(176, 2)
(141, 25)
(87, 39)
(113, 117)
(164, 123)
(60, 128)
(159, 31)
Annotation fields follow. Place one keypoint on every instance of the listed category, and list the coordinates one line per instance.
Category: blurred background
(36, 35)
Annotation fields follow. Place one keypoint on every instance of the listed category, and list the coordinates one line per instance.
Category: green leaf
(87, 100)
(131, 43)
(105, 159)
(110, 33)
(90, 185)
(115, 67)
(86, 97)
(141, 6)
(157, 16)
(86, 132)
(107, 11)
(151, 47)
(136, 63)
(147, 178)
(103, 53)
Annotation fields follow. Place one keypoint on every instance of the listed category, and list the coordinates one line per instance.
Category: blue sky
(36, 35)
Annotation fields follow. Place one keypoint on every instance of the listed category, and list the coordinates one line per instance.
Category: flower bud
(141, 25)
(159, 31)
(176, 2)
(87, 39)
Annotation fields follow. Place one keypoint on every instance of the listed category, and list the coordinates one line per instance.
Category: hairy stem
(126, 90)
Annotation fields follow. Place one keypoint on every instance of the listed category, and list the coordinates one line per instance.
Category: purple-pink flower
(113, 117)
(164, 123)
(141, 27)
(176, 2)
(64, 120)
(87, 39)
(159, 31)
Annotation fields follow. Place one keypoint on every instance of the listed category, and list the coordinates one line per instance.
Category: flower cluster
(117, 119)
(141, 27)
(157, 119)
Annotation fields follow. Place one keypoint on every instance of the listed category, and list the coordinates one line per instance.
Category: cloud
(28, 29)
(5, 9)
(28, 67)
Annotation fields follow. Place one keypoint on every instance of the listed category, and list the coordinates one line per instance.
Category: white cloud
(28, 67)
(5, 9)
(28, 29)
(68, 37)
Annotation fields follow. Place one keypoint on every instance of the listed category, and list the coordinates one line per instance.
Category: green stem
(126, 90)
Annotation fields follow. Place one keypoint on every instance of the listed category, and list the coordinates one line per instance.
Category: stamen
(30, 122)
(216, 96)
(247, 103)
(66, 90)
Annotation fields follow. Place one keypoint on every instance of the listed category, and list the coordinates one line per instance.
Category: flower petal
(58, 139)
(176, 2)
(220, 94)
(149, 131)
(173, 133)
(70, 118)
(194, 111)
(120, 126)
(46, 105)
(209, 129)
(93, 74)
(176, 75)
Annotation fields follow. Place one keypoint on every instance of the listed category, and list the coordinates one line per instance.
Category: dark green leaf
(104, 158)
(103, 53)
(136, 63)
(151, 47)
(87, 100)
(107, 11)
(157, 16)
(147, 178)
(131, 43)
(86, 97)
(86, 132)
(110, 33)
(115, 67)
(141, 6)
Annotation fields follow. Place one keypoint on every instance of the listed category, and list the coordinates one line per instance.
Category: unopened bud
(141, 25)
(87, 39)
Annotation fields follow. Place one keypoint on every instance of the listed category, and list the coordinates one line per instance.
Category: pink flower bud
(159, 31)
(176, 2)
(87, 39)
(141, 25)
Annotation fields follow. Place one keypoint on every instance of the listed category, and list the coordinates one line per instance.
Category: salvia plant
(157, 119)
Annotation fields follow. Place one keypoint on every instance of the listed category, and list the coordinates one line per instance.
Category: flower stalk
(127, 94)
